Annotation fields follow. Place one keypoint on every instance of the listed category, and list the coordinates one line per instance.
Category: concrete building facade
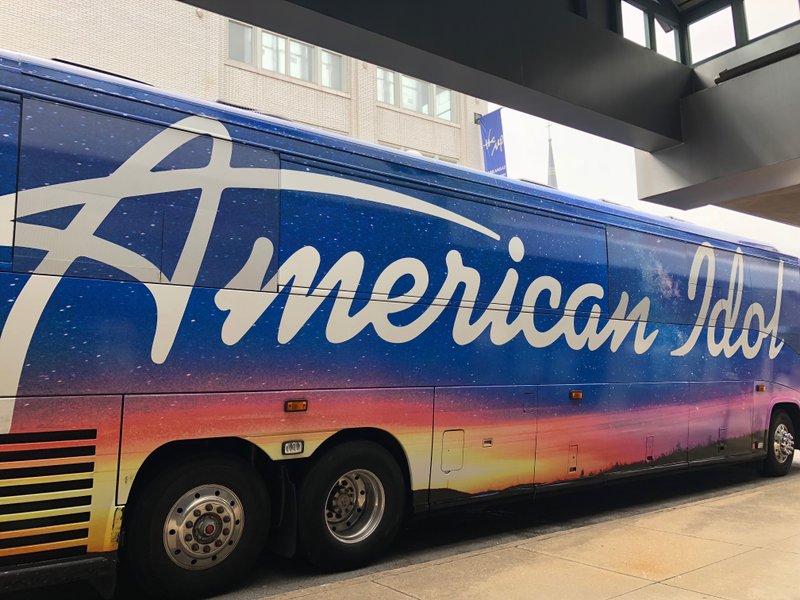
(177, 47)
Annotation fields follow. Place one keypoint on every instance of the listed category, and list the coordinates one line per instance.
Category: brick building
(178, 47)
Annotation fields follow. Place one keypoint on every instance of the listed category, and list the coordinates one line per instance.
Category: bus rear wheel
(196, 528)
(780, 445)
(351, 505)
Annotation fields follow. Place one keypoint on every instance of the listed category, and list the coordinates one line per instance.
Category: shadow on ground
(479, 527)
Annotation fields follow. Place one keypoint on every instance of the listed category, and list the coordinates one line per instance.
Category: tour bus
(222, 332)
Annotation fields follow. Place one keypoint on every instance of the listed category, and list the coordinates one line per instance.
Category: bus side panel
(9, 149)
(572, 434)
(720, 420)
(152, 421)
(61, 459)
(484, 440)
(648, 425)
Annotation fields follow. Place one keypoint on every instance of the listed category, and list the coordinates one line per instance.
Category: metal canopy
(538, 57)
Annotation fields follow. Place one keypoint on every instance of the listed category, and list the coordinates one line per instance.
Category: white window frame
(315, 57)
(397, 100)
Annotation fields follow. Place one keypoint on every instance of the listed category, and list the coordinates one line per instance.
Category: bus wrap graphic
(298, 272)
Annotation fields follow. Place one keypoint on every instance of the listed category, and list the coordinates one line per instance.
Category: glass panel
(240, 42)
(414, 94)
(385, 86)
(712, 35)
(273, 52)
(331, 70)
(300, 60)
(666, 42)
(634, 25)
(444, 103)
(764, 16)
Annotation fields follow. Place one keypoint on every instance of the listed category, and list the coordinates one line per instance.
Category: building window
(666, 39)
(240, 42)
(444, 103)
(385, 86)
(273, 53)
(279, 54)
(634, 24)
(414, 94)
(763, 16)
(299, 60)
(711, 35)
(331, 70)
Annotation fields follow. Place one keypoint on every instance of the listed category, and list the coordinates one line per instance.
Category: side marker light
(295, 406)
(293, 447)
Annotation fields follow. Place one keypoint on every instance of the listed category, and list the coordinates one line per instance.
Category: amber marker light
(295, 406)
(575, 395)
(760, 387)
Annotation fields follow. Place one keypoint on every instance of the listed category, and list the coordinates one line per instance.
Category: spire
(552, 180)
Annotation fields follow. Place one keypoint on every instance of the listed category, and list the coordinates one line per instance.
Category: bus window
(142, 202)
(763, 282)
(9, 135)
(385, 223)
(646, 265)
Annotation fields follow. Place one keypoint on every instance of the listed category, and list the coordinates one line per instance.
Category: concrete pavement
(743, 545)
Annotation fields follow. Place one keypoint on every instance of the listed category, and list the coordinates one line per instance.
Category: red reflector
(575, 395)
(295, 406)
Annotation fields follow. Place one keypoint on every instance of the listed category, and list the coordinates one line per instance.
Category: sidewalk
(740, 546)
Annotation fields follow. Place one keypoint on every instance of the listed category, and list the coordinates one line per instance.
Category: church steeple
(552, 179)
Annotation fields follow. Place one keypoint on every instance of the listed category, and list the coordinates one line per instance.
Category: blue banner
(494, 148)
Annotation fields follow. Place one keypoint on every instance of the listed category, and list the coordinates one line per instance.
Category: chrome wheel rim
(783, 443)
(354, 506)
(203, 527)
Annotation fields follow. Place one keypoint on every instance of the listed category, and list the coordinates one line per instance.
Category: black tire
(778, 461)
(362, 533)
(145, 556)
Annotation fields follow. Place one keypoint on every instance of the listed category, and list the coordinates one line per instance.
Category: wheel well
(171, 452)
(272, 472)
(793, 411)
(378, 436)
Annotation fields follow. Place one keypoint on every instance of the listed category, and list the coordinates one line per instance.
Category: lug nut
(219, 510)
(196, 513)
(226, 531)
(206, 549)
(226, 519)
(218, 543)
(195, 547)
(209, 507)
(189, 524)
(188, 537)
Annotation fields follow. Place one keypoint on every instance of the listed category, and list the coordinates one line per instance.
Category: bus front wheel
(196, 528)
(780, 445)
(350, 505)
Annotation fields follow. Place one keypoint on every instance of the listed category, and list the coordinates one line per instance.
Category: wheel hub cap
(783, 444)
(203, 527)
(355, 505)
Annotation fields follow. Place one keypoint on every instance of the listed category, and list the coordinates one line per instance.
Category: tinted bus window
(155, 204)
(9, 130)
(442, 231)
